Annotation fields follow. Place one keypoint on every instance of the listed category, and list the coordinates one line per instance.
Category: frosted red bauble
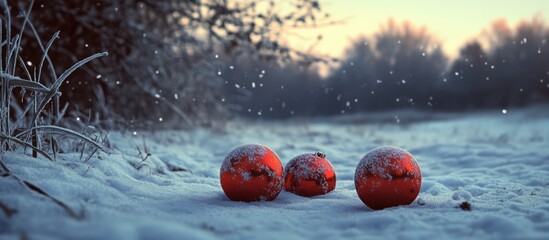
(252, 173)
(386, 177)
(309, 175)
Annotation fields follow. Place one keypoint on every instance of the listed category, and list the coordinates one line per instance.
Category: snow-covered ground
(497, 162)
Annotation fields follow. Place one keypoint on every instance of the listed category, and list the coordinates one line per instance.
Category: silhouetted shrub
(260, 88)
(513, 71)
(401, 67)
(162, 68)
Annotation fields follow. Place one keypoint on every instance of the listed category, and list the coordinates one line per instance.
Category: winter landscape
(117, 126)
(495, 162)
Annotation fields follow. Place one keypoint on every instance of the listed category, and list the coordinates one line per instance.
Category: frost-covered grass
(496, 163)
(32, 116)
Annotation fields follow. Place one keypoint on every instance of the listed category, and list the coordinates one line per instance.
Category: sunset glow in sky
(452, 23)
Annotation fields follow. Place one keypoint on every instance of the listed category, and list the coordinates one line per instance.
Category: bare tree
(512, 71)
(163, 66)
(400, 67)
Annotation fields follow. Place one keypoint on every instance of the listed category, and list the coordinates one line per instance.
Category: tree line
(186, 63)
(403, 67)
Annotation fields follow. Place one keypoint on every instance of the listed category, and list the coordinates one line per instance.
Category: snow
(250, 151)
(309, 167)
(377, 160)
(306, 166)
(495, 162)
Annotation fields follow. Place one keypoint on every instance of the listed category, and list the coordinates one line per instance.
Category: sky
(453, 23)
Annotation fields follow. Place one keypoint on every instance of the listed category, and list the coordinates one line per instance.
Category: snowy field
(499, 163)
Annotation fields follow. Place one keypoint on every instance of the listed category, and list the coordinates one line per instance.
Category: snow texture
(309, 166)
(251, 152)
(496, 163)
(380, 160)
(306, 166)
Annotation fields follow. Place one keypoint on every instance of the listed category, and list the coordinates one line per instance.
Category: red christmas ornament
(251, 173)
(309, 175)
(387, 177)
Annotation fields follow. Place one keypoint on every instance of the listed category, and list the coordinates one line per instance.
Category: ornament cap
(320, 154)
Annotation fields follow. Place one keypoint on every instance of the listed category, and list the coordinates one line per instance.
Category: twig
(70, 212)
(34, 188)
(7, 210)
